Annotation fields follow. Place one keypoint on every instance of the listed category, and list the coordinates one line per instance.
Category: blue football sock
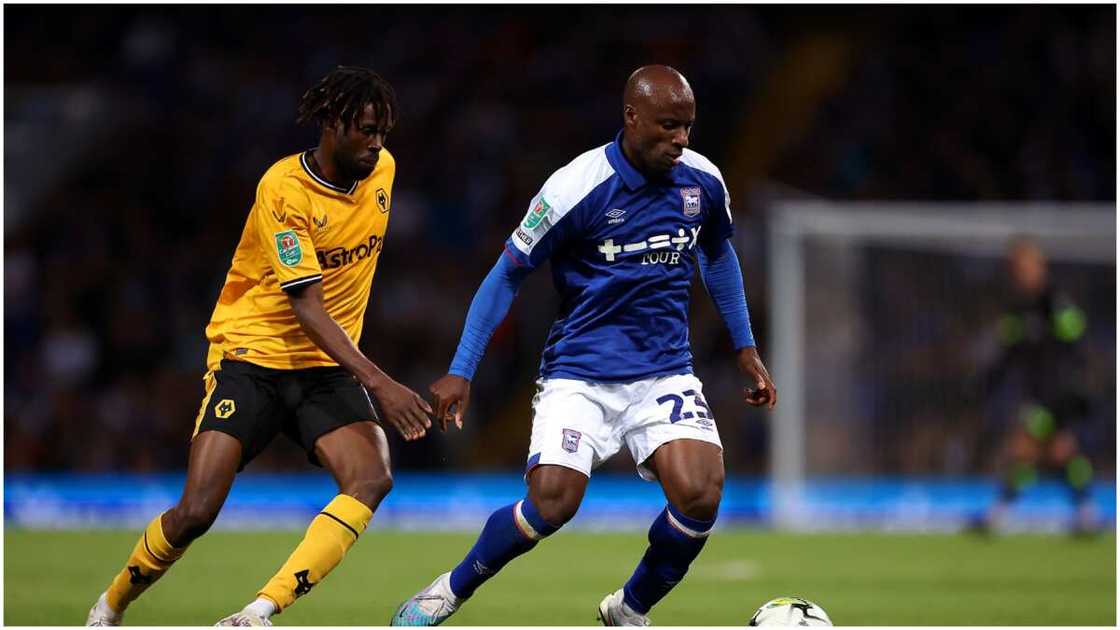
(674, 542)
(509, 532)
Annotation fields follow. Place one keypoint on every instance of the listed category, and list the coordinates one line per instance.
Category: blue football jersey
(623, 251)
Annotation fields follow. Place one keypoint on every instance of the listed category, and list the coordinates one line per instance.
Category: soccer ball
(790, 611)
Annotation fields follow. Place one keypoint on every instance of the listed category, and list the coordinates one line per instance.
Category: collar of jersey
(303, 160)
(617, 159)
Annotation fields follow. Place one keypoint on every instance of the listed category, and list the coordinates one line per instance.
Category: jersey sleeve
(549, 224)
(723, 277)
(281, 221)
(718, 225)
(488, 308)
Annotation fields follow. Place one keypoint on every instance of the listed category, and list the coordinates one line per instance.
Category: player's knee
(190, 520)
(556, 493)
(1063, 448)
(557, 512)
(370, 489)
(558, 507)
(700, 500)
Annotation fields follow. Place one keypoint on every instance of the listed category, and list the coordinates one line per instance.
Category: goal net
(880, 318)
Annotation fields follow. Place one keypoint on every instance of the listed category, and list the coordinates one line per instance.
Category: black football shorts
(254, 403)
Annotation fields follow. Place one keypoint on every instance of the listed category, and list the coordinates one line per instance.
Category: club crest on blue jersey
(691, 198)
(571, 440)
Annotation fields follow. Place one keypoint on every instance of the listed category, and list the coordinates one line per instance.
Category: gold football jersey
(301, 229)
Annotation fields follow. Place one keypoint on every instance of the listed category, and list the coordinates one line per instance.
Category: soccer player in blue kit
(623, 225)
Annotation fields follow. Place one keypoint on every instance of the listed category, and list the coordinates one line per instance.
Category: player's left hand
(761, 391)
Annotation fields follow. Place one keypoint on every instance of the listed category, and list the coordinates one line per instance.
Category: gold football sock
(150, 558)
(330, 535)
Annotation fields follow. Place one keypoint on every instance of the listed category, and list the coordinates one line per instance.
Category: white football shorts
(580, 425)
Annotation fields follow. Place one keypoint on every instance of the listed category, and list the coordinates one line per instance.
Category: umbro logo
(615, 216)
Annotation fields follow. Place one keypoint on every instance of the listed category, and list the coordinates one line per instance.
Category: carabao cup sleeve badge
(288, 249)
(536, 215)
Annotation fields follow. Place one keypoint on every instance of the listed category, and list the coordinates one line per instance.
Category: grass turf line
(52, 578)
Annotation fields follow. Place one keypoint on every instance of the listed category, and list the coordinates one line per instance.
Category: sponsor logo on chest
(343, 256)
(655, 250)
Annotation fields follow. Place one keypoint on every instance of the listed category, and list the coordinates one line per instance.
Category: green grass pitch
(51, 578)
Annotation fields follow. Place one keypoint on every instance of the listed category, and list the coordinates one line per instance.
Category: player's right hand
(761, 391)
(452, 394)
(403, 408)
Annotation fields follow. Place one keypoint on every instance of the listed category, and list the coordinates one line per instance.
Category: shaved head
(658, 110)
(657, 84)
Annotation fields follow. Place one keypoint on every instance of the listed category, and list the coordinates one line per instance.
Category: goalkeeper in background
(1042, 360)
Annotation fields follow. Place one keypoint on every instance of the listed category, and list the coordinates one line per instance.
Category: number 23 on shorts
(697, 409)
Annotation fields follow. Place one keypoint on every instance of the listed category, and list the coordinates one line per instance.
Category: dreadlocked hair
(343, 94)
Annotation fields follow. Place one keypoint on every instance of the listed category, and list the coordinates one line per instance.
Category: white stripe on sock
(685, 530)
(523, 523)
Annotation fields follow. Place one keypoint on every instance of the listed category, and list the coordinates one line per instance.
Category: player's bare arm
(763, 392)
(403, 408)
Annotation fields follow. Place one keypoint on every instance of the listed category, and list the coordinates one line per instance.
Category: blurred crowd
(134, 145)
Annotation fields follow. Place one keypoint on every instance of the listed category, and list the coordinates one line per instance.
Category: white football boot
(244, 618)
(102, 615)
(430, 607)
(613, 611)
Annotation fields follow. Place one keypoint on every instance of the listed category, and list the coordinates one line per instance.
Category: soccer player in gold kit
(283, 350)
